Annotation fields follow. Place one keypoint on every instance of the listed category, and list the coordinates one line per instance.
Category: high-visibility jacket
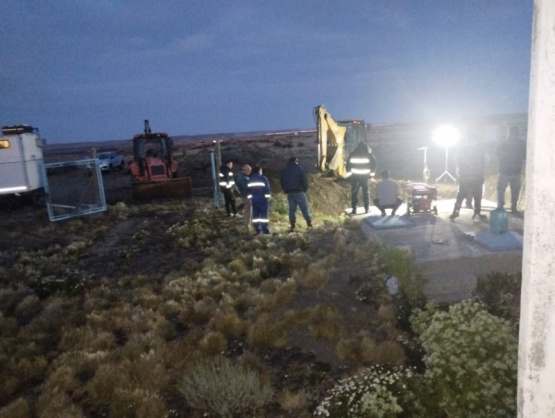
(361, 163)
(259, 188)
(226, 178)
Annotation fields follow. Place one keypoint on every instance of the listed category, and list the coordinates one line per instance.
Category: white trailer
(21, 158)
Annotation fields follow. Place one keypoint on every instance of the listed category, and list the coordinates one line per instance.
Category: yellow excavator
(154, 170)
(336, 140)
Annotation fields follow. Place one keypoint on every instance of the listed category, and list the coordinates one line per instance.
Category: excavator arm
(331, 143)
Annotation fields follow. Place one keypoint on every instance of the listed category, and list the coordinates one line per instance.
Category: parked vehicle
(154, 170)
(21, 160)
(110, 160)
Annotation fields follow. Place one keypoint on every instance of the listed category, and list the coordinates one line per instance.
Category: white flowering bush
(376, 392)
(470, 358)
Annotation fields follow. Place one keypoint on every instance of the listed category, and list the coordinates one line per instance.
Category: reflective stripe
(223, 183)
(360, 171)
(261, 220)
(267, 196)
(257, 184)
(357, 160)
(249, 196)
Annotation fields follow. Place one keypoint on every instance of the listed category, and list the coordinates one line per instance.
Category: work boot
(309, 224)
(354, 211)
(454, 215)
(365, 210)
(292, 226)
(514, 210)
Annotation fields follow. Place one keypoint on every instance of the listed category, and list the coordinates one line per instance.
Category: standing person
(387, 194)
(360, 165)
(511, 154)
(227, 185)
(259, 193)
(295, 184)
(471, 161)
(242, 184)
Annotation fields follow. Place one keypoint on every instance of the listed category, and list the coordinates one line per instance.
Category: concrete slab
(387, 222)
(452, 254)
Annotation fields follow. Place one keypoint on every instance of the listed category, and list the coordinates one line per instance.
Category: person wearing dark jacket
(470, 160)
(227, 186)
(360, 166)
(259, 193)
(242, 184)
(511, 154)
(295, 184)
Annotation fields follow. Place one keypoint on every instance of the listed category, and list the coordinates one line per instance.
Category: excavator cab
(154, 170)
(336, 140)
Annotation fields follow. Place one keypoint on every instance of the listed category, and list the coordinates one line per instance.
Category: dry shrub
(28, 306)
(325, 322)
(285, 292)
(225, 388)
(64, 378)
(17, 409)
(293, 401)
(238, 266)
(340, 241)
(227, 322)
(389, 352)
(364, 349)
(347, 349)
(57, 404)
(203, 311)
(135, 402)
(213, 343)
(297, 260)
(266, 332)
(315, 277)
(388, 314)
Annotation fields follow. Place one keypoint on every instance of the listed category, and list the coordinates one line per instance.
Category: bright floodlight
(446, 136)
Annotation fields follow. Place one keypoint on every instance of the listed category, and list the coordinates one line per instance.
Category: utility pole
(536, 357)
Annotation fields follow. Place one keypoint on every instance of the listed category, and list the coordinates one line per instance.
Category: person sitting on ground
(387, 194)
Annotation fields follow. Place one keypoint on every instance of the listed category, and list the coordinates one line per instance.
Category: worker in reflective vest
(227, 186)
(360, 166)
(259, 193)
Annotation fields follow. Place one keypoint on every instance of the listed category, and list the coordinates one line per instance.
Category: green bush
(470, 358)
(225, 388)
(500, 292)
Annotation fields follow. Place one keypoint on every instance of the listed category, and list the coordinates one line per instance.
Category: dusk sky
(92, 70)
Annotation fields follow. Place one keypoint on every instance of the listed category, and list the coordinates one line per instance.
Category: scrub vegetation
(170, 309)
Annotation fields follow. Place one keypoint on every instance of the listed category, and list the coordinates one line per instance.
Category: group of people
(471, 161)
(254, 188)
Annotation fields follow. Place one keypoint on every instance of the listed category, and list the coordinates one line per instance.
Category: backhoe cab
(336, 140)
(154, 171)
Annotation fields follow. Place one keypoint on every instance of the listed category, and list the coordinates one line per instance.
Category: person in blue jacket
(259, 194)
(295, 184)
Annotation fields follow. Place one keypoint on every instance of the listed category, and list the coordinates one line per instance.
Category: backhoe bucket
(167, 189)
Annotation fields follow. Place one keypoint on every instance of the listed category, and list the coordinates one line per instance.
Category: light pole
(446, 136)
(426, 171)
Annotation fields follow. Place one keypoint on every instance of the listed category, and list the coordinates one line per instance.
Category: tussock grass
(325, 322)
(19, 408)
(267, 332)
